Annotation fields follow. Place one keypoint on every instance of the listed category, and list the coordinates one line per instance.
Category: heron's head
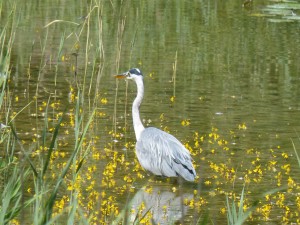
(133, 73)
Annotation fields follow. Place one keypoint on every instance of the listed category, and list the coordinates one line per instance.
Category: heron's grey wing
(149, 154)
(162, 154)
(181, 158)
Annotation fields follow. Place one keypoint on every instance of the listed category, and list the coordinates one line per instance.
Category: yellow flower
(207, 182)
(291, 182)
(172, 99)
(14, 222)
(284, 155)
(223, 210)
(103, 101)
(242, 126)
(287, 168)
(185, 122)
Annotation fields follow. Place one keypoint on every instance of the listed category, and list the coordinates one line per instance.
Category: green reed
(174, 75)
(15, 172)
(236, 216)
(296, 153)
(60, 48)
(10, 179)
(45, 191)
(11, 195)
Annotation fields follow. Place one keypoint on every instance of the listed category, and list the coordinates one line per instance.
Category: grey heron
(157, 151)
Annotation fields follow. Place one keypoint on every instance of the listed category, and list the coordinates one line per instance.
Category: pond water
(221, 77)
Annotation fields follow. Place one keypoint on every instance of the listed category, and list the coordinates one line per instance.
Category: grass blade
(52, 144)
(52, 198)
(296, 153)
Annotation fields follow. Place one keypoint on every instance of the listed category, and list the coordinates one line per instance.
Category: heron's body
(162, 154)
(157, 151)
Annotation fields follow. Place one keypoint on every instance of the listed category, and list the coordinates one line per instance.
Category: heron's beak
(121, 76)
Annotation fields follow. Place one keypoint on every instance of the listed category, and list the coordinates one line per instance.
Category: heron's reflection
(159, 205)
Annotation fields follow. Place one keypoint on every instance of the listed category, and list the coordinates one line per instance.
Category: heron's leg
(180, 182)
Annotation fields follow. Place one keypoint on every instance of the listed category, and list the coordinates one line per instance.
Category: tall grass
(10, 179)
(45, 192)
(11, 196)
(296, 153)
(16, 170)
(44, 208)
(237, 216)
(174, 75)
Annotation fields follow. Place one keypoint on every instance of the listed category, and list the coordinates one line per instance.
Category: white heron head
(133, 73)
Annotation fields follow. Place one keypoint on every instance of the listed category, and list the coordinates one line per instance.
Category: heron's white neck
(137, 123)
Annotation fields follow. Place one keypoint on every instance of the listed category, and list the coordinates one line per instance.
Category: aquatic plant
(234, 216)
